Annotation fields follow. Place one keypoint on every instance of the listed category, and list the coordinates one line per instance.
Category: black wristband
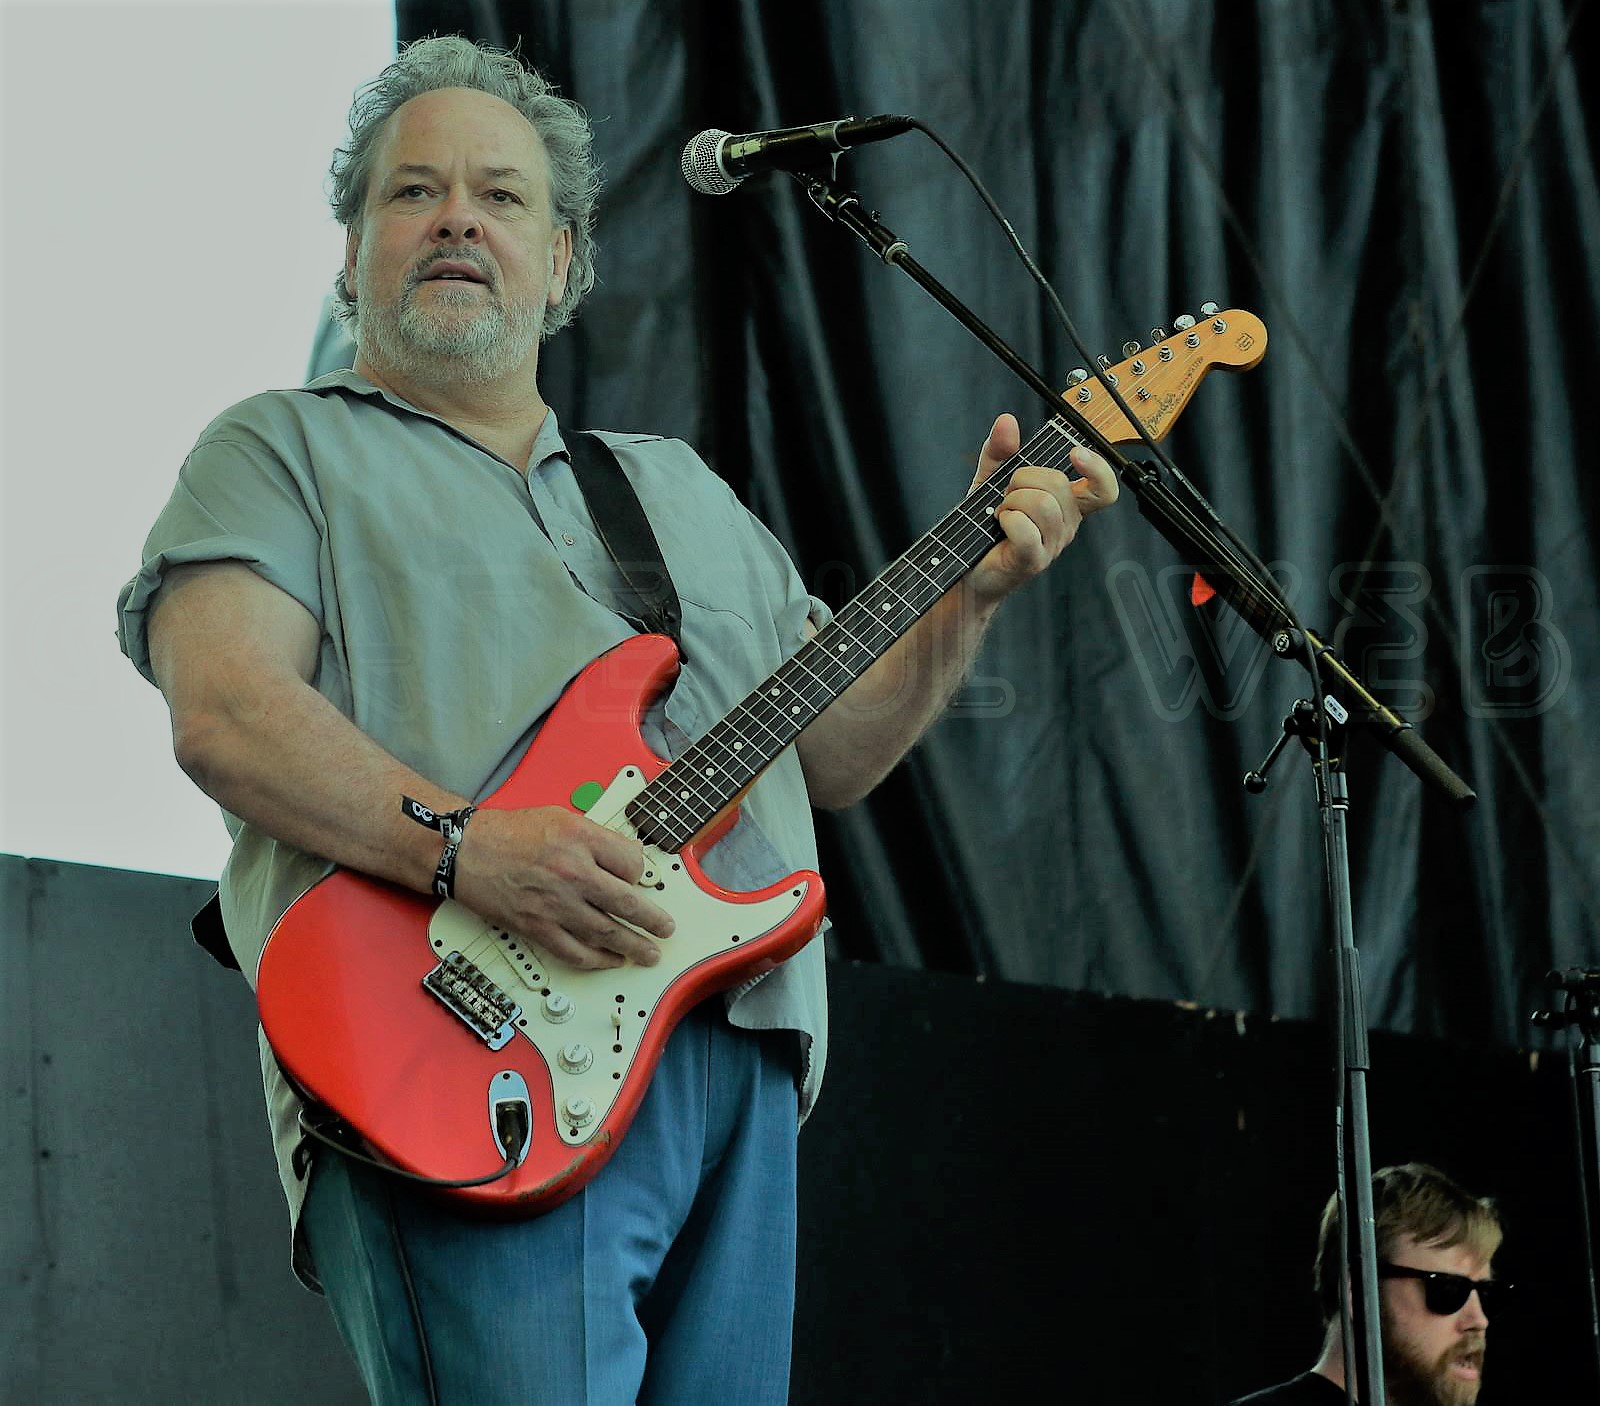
(452, 824)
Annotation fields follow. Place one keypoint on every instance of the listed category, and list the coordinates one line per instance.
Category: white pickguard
(587, 1025)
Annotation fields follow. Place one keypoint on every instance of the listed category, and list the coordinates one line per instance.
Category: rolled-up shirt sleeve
(236, 499)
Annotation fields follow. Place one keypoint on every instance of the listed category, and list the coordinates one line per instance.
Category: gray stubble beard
(429, 350)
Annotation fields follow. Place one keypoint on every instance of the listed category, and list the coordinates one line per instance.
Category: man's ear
(352, 243)
(560, 262)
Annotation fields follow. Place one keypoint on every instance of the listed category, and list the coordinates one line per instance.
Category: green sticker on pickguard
(587, 794)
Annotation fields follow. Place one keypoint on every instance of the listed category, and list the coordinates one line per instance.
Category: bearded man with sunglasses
(1435, 1244)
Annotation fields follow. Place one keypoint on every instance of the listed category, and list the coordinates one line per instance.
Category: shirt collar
(547, 443)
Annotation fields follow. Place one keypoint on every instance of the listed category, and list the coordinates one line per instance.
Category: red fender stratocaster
(419, 1024)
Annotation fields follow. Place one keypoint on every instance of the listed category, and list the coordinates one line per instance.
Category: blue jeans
(669, 1279)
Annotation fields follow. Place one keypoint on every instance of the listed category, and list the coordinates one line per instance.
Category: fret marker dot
(737, 746)
(933, 561)
(795, 711)
(775, 692)
(711, 771)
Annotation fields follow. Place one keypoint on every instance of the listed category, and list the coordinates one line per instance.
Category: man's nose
(457, 221)
(1472, 1314)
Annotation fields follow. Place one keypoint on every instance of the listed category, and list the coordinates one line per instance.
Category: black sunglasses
(1444, 1293)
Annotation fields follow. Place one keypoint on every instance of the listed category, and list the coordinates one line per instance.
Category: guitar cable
(512, 1126)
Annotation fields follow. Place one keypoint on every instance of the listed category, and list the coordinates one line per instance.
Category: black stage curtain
(1405, 192)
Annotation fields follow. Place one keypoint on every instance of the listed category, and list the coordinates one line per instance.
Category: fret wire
(689, 764)
(909, 589)
(829, 658)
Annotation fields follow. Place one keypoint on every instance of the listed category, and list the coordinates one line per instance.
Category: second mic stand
(1360, 1331)
(1581, 1016)
(1344, 697)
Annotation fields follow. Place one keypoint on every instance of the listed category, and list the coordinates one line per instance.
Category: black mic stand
(1345, 700)
(1582, 1015)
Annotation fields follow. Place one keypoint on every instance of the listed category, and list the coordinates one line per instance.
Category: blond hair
(1416, 1200)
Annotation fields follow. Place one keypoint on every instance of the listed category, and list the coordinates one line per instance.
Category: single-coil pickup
(473, 999)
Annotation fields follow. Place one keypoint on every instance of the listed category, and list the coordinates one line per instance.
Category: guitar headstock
(1157, 381)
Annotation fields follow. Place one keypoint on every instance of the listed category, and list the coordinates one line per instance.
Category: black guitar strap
(620, 519)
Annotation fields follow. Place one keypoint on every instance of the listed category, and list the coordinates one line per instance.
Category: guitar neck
(711, 775)
(702, 782)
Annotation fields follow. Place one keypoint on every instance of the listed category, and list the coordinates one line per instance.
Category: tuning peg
(1182, 322)
(1078, 374)
(1157, 334)
(1209, 309)
(1105, 362)
(1130, 348)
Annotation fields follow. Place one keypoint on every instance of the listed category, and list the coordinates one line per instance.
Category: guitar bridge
(474, 1000)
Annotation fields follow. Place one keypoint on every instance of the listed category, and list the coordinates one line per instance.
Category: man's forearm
(293, 766)
(881, 716)
(234, 657)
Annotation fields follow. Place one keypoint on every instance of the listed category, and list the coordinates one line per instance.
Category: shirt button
(568, 538)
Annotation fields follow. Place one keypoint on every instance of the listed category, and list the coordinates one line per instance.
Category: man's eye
(408, 191)
(504, 197)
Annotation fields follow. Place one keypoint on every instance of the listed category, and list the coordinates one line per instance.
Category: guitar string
(960, 539)
(786, 685)
(678, 814)
(964, 530)
(965, 534)
(975, 532)
(962, 536)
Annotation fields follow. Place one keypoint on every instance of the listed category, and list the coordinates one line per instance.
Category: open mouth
(454, 273)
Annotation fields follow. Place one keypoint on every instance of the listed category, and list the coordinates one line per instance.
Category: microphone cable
(1263, 580)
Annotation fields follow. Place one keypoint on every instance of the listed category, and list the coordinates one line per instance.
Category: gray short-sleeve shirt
(457, 597)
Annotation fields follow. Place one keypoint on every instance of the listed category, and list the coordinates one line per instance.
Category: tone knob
(558, 1008)
(575, 1058)
(578, 1110)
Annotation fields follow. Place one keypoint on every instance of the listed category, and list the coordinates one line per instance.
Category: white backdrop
(166, 246)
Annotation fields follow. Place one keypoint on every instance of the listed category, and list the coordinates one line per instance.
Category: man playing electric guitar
(372, 591)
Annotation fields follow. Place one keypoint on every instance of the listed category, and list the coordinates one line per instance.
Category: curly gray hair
(452, 62)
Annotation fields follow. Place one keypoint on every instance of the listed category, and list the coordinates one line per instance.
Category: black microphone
(714, 162)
